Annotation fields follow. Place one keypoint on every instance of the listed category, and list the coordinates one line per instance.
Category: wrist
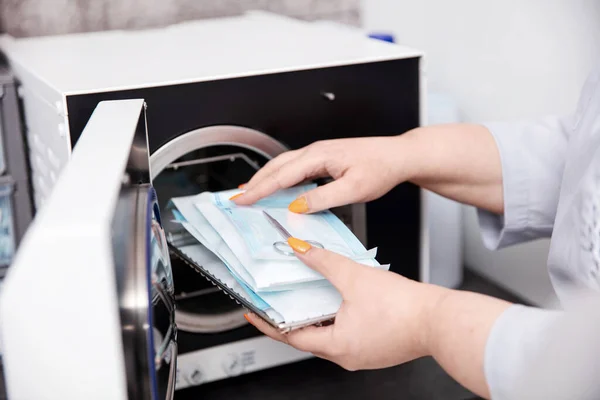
(449, 312)
(433, 299)
(408, 159)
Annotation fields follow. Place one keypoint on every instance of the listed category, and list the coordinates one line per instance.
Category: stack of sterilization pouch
(235, 246)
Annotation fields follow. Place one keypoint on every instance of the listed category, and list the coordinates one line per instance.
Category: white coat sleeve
(517, 338)
(540, 354)
(532, 154)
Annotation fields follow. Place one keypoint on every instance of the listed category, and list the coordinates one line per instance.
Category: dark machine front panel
(298, 108)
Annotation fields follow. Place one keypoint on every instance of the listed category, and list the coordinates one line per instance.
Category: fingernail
(243, 185)
(236, 196)
(299, 206)
(247, 318)
(298, 245)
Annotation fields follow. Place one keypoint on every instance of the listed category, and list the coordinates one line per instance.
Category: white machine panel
(234, 359)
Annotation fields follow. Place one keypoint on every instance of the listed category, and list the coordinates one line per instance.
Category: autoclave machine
(223, 97)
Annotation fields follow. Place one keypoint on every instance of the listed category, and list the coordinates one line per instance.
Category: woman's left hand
(383, 319)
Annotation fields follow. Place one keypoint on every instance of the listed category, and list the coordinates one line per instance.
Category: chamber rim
(217, 135)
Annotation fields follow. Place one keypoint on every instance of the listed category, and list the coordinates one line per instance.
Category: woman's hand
(386, 320)
(383, 320)
(364, 169)
(458, 161)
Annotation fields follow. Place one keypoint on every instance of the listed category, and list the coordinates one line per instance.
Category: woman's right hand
(363, 169)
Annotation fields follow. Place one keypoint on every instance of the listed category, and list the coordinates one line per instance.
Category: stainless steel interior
(212, 159)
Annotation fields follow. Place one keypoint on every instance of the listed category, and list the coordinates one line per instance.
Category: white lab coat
(551, 175)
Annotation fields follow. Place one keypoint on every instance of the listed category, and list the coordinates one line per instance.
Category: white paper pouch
(259, 275)
(224, 240)
(260, 236)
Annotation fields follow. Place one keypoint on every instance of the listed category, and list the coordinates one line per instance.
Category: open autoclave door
(87, 308)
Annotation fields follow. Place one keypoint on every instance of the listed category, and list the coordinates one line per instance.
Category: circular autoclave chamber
(213, 159)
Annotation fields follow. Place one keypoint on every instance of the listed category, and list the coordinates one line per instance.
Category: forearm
(459, 325)
(457, 161)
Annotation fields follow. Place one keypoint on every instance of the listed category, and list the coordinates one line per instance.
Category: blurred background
(45, 17)
(494, 60)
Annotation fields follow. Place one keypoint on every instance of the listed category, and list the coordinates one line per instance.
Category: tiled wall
(48, 17)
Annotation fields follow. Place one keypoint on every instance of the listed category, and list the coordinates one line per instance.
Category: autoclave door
(87, 306)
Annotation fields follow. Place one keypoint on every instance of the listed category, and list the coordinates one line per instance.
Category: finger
(313, 339)
(290, 174)
(340, 271)
(265, 328)
(270, 167)
(340, 192)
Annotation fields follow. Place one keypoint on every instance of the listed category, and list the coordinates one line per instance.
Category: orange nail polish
(299, 246)
(299, 206)
(247, 318)
(236, 196)
(243, 185)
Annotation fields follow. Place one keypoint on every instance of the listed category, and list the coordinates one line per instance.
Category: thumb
(337, 193)
(340, 271)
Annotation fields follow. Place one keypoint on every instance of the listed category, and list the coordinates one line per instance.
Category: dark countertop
(316, 379)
